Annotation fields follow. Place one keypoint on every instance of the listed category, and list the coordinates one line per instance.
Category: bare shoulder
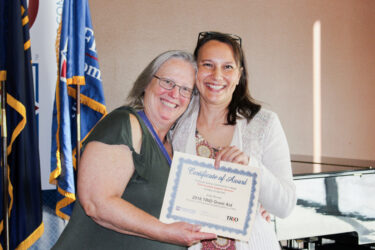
(104, 171)
(136, 133)
(98, 154)
(94, 147)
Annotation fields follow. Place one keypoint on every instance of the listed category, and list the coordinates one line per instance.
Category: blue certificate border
(180, 164)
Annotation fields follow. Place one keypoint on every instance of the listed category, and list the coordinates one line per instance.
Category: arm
(100, 189)
(277, 192)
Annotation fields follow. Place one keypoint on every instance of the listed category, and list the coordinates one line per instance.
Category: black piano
(335, 204)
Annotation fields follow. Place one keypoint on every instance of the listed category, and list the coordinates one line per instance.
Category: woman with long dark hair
(226, 124)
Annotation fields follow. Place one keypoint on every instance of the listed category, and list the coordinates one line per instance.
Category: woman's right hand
(185, 234)
(231, 154)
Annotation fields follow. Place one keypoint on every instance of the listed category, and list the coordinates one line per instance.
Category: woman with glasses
(125, 164)
(226, 124)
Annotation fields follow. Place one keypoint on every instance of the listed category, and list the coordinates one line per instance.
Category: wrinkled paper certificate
(223, 201)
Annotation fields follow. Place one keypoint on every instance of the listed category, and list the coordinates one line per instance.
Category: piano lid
(304, 167)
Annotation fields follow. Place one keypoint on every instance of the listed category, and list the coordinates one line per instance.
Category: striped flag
(78, 65)
(24, 188)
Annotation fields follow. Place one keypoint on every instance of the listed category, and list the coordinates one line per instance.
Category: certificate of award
(223, 201)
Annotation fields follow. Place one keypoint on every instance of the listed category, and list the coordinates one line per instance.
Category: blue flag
(78, 65)
(24, 189)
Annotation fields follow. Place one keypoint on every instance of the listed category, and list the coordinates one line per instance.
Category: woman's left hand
(231, 154)
(265, 214)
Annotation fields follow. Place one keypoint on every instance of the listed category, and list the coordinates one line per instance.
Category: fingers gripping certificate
(223, 201)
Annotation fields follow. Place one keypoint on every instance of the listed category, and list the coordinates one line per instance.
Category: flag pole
(78, 124)
(5, 166)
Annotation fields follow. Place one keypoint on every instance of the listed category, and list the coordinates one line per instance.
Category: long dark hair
(242, 103)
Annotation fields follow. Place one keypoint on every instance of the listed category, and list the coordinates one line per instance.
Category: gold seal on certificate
(223, 201)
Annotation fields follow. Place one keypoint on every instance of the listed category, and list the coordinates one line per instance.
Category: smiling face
(218, 73)
(163, 106)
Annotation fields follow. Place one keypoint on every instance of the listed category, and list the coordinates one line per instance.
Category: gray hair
(135, 97)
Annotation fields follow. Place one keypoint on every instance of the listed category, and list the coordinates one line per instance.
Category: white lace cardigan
(264, 141)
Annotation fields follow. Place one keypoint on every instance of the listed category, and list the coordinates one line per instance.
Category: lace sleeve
(268, 145)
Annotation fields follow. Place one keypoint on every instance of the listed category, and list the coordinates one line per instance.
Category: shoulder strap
(136, 133)
(154, 134)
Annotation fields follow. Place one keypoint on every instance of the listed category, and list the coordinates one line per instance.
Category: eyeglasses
(205, 34)
(169, 85)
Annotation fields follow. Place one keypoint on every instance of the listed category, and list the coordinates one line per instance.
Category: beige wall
(277, 39)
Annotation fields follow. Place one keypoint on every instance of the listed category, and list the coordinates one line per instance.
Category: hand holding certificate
(223, 201)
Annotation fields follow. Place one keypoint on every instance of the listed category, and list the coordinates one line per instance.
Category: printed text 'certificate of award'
(223, 201)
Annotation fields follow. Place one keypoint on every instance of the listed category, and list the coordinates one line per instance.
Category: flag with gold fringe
(24, 186)
(77, 65)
